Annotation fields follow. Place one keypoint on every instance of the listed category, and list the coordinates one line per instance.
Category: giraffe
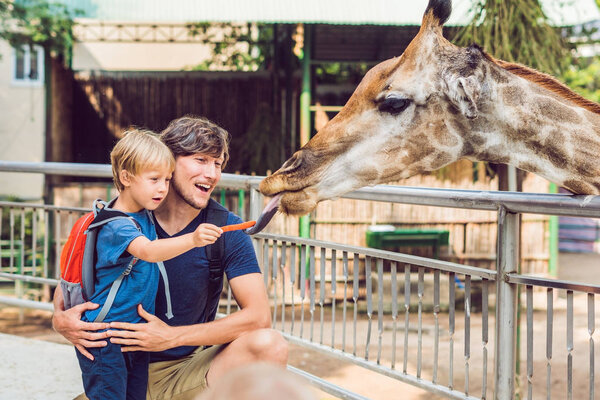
(438, 103)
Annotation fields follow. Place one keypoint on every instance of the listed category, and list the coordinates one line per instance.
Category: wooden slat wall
(106, 104)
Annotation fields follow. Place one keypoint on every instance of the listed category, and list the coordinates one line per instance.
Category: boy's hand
(206, 234)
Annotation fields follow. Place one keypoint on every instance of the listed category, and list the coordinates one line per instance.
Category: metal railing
(425, 322)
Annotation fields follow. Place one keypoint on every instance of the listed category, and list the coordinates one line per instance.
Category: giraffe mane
(548, 82)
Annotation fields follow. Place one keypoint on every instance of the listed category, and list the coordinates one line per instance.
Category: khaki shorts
(181, 379)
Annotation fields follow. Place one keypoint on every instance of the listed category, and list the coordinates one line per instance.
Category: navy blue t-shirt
(188, 279)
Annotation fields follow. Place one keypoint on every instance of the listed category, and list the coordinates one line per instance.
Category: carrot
(235, 227)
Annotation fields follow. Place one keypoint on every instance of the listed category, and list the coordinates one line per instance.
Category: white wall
(21, 130)
(137, 56)
(112, 54)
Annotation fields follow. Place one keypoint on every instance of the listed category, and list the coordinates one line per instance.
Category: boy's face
(149, 188)
(195, 178)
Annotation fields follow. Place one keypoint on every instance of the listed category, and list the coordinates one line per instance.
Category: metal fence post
(256, 203)
(506, 305)
(256, 206)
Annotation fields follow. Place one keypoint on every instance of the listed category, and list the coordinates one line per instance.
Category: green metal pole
(553, 239)
(241, 205)
(222, 197)
(305, 125)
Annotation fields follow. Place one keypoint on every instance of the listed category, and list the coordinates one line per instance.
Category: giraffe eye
(393, 105)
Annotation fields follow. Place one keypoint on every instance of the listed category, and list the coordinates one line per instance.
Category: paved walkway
(27, 373)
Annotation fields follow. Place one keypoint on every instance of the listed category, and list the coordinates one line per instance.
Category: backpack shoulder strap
(216, 215)
(103, 214)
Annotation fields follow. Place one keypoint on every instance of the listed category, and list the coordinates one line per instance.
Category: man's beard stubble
(189, 199)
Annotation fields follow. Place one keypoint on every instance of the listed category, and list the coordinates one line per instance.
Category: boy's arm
(165, 249)
(156, 335)
(69, 324)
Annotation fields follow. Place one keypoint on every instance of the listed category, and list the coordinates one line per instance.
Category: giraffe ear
(463, 92)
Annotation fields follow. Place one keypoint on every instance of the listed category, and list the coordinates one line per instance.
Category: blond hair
(137, 151)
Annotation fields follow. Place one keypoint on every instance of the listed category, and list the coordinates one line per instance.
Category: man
(182, 363)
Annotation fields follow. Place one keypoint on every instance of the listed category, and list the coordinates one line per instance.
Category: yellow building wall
(21, 130)
(138, 56)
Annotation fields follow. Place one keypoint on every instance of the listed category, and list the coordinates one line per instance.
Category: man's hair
(190, 135)
(137, 151)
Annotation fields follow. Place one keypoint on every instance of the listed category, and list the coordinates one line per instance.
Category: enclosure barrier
(425, 322)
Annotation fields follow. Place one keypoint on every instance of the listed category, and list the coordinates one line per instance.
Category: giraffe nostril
(292, 163)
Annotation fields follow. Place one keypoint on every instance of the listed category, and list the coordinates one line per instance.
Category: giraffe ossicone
(438, 103)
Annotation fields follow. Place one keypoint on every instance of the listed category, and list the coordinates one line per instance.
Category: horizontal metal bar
(325, 386)
(552, 283)
(38, 305)
(412, 380)
(27, 278)
(42, 206)
(516, 202)
(233, 181)
(388, 255)
(58, 168)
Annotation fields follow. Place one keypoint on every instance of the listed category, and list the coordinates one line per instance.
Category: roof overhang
(346, 12)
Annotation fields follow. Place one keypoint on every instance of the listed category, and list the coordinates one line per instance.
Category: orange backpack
(78, 258)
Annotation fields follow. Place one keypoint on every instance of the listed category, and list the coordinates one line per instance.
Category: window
(28, 66)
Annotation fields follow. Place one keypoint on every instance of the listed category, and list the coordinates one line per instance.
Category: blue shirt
(140, 286)
(188, 279)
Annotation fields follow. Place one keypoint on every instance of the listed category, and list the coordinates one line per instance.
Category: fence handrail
(516, 202)
(16, 204)
(388, 255)
(529, 280)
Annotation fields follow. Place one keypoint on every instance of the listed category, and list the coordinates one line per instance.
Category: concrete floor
(37, 370)
(579, 267)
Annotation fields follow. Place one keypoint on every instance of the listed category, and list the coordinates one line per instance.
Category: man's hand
(69, 324)
(154, 335)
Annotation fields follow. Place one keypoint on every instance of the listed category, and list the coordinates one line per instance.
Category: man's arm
(69, 324)
(249, 292)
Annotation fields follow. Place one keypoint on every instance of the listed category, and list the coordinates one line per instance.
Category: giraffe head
(388, 127)
(431, 106)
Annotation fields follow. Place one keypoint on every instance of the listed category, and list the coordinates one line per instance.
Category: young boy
(142, 166)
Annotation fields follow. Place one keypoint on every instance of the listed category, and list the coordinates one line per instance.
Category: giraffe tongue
(266, 215)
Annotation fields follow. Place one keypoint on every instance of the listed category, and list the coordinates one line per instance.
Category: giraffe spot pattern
(529, 167)
(440, 159)
(554, 110)
(581, 187)
(513, 96)
(495, 154)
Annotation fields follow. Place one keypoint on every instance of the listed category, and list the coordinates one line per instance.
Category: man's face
(195, 177)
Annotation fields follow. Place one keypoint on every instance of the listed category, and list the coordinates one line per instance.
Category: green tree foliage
(235, 47)
(584, 78)
(37, 22)
(517, 31)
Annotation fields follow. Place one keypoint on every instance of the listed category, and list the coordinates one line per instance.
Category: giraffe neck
(536, 130)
